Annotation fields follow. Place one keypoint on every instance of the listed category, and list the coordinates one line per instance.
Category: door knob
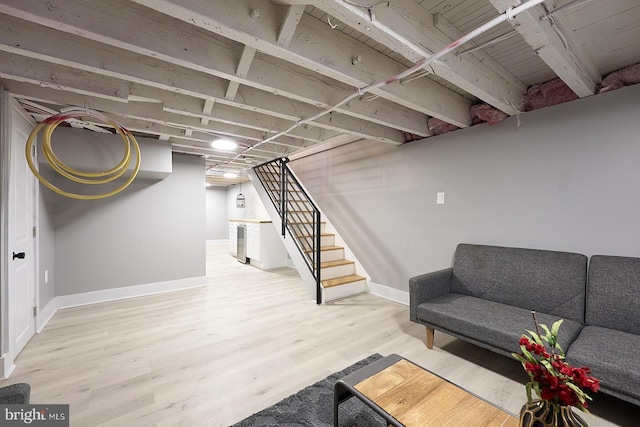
(19, 255)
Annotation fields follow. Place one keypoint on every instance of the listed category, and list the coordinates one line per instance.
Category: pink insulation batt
(626, 76)
(438, 127)
(482, 113)
(547, 94)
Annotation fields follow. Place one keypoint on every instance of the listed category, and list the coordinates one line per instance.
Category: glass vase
(539, 413)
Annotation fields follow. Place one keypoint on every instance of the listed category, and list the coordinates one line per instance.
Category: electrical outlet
(440, 198)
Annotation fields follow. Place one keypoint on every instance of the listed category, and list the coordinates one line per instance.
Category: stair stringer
(288, 240)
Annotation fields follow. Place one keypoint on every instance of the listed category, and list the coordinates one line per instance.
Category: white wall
(217, 220)
(152, 232)
(46, 254)
(254, 208)
(565, 179)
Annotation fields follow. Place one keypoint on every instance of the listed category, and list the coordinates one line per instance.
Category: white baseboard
(218, 242)
(46, 314)
(67, 301)
(6, 367)
(389, 293)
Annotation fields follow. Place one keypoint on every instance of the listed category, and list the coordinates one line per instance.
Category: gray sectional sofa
(487, 296)
(609, 342)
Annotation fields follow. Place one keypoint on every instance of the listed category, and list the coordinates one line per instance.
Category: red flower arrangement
(553, 379)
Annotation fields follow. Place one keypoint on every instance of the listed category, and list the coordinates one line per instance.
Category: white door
(21, 241)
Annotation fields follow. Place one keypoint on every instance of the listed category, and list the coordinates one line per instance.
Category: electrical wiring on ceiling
(508, 15)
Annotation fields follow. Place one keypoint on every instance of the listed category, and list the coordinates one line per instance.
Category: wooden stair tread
(327, 248)
(336, 263)
(304, 222)
(343, 280)
(306, 236)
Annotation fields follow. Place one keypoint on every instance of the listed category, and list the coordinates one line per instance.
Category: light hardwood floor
(214, 355)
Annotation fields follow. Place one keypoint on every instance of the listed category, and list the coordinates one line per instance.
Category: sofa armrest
(428, 286)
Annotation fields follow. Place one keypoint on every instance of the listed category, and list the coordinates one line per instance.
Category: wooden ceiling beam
(408, 28)
(246, 58)
(317, 48)
(211, 152)
(321, 129)
(182, 49)
(288, 27)
(128, 115)
(225, 113)
(554, 45)
(140, 111)
(48, 75)
(206, 110)
(228, 120)
(225, 118)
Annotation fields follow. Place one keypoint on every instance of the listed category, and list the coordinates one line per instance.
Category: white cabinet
(253, 241)
(264, 245)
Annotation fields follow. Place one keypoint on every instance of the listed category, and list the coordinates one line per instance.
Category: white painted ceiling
(190, 71)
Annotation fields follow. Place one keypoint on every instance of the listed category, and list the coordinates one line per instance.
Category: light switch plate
(440, 198)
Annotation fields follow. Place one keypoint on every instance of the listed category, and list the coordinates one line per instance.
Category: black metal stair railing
(297, 211)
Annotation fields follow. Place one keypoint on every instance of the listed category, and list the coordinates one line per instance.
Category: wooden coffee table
(407, 395)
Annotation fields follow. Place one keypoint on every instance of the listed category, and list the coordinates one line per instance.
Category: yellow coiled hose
(90, 178)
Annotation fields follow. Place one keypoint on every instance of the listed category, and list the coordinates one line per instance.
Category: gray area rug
(313, 406)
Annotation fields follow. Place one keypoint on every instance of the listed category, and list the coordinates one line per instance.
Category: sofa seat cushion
(496, 324)
(612, 356)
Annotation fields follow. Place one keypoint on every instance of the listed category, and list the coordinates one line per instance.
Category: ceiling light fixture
(230, 175)
(223, 144)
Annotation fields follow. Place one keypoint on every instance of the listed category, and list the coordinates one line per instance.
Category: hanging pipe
(89, 178)
(508, 15)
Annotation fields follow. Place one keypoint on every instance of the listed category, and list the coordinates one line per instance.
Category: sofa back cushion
(546, 281)
(613, 293)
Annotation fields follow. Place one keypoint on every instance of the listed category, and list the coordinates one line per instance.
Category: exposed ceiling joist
(553, 44)
(330, 53)
(223, 113)
(406, 27)
(206, 111)
(37, 42)
(145, 112)
(288, 27)
(46, 74)
(118, 24)
(211, 153)
(84, 84)
(321, 129)
(246, 58)
(316, 73)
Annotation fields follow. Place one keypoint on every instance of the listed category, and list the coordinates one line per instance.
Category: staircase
(333, 275)
(338, 274)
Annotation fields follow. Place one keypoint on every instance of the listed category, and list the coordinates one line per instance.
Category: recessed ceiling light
(230, 175)
(224, 144)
